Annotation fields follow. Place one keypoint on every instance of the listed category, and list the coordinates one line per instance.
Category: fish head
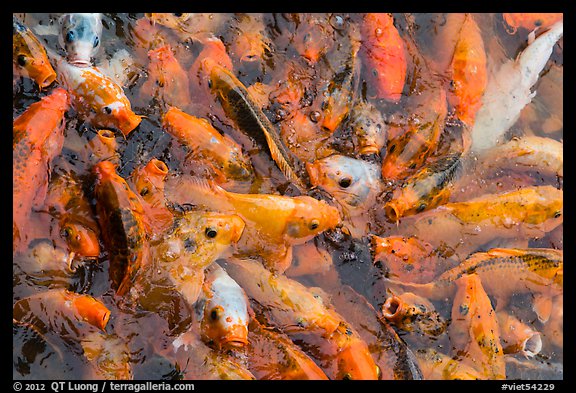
(80, 36)
(355, 362)
(81, 240)
(104, 170)
(117, 114)
(91, 310)
(349, 180)
(150, 178)
(312, 39)
(311, 217)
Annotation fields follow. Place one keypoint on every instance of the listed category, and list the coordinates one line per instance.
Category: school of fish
(288, 196)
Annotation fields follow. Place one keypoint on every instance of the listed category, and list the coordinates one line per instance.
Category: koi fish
(469, 72)
(80, 36)
(108, 356)
(312, 38)
(413, 313)
(244, 111)
(178, 259)
(61, 310)
(553, 330)
(207, 143)
(462, 227)
(249, 43)
(385, 55)
(438, 366)
(527, 153)
(148, 181)
(530, 21)
(29, 57)
(474, 331)
(296, 219)
(38, 138)
(406, 259)
(273, 356)
(509, 90)
(296, 310)
(369, 127)
(199, 71)
(504, 272)
(426, 189)
(224, 306)
(167, 81)
(517, 337)
(120, 215)
(104, 147)
(191, 26)
(309, 259)
(97, 98)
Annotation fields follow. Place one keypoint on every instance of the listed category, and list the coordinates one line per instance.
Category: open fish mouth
(79, 62)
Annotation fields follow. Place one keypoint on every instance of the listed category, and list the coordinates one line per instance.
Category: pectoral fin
(542, 306)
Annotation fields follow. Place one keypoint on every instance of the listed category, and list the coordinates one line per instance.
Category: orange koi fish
(148, 181)
(369, 127)
(299, 312)
(312, 38)
(474, 331)
(553, 330)
(407, 259)
(273, 356)
(199, 72)
(108, 356)
(530, 21)
(29, 57)
(225, 318)
(518, 337)
(179, 258)
(145, 36)
(413, 313)
(309, 259)
(104, 147)
(504, 272)
(408, 151)
(55, 308)
(208, 144)
(97, 98)
(249, 43)
(38, 138)
(438, 366)
(120, 215)
(385, 55)
(426, 189)
(296, 219)
(167, 81)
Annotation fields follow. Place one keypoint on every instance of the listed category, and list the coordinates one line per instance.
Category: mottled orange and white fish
(474, 331)
(530, 21)
(207, 143)
(302, 313)
(469, 72)
(296, 219)
(38, 138)
(29, 57)
(80, 35)
(53, 308)
(121, 218)
(413, 313)
(97, 98)
(385, 55)
(167, 80)
(224, 307)
(108, 356)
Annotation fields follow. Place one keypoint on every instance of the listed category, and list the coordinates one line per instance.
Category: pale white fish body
(509, 90)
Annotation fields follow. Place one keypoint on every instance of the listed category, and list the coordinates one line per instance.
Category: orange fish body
(49, 309)
(309, 259)
(273, 356)
(120, 215)
(207, 143)
(469, 72)
(296, 219)
(104, 147)
(530, 21)
(249, 42)
(199, 72)
(97, 98)
(408, 259)
(409, 150)
(167, 80)
(439, 366)
(474, 331)
(553, 330)
(29, 57)
(38, 138)
(148, 181)
(385, 55)
(312, 38)
(146, 36)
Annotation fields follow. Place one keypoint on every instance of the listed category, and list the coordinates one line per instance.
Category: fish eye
(209, 83)
(211, 233)
(314, 224)
(215, 314)
(557, 214)
(345, 182)
(421, 207)
(178, 15)
(96, 42)
(107, 110)
(144, 191)
(347, 377)
(22, 60)
(66, 232)
(70, 36)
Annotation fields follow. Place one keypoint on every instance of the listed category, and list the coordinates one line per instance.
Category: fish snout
(127, 120)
